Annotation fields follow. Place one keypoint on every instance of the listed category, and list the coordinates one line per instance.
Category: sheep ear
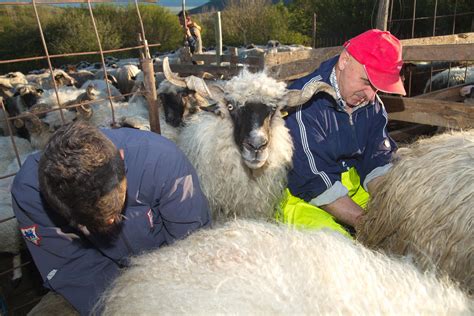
(296, 97)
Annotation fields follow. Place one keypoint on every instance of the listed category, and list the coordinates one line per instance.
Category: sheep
(24, 97)
(81, 77)
(5, 88)
(467, 92)
(178, 102)
(9, 232)
(101, 85)
(7, 153)
(457, 75)
(423, 208)
(256, 268)
(132, 114)
(9, 81)
(44, 80)
(40, 131)
(126, 78)
(240, 146)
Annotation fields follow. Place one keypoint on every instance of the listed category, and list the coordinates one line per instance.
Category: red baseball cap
(381, 55)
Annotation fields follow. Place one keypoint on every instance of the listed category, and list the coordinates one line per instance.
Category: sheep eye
(230, 106)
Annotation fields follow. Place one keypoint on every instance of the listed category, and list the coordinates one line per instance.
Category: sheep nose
(256, 145)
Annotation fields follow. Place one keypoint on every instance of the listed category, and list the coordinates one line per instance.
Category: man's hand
(345, 210)
(187, 32)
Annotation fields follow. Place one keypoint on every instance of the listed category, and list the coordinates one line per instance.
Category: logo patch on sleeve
(30, 234)
(150, 217)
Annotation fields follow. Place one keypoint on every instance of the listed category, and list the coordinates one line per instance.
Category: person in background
(192, 32)
(94, 198)
(342, 148)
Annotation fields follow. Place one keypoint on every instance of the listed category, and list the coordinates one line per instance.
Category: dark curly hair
(82, 177)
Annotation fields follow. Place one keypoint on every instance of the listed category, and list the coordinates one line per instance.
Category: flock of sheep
(413, 254)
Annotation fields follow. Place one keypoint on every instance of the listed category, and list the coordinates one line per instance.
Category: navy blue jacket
(328, 141)
(164, 203)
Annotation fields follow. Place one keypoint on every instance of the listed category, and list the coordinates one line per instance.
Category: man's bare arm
(345, 210)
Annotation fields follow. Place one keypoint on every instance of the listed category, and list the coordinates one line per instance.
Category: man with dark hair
(95, 197)
(342, 148)
(192, 32)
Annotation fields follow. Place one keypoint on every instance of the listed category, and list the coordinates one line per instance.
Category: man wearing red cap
(342, 148)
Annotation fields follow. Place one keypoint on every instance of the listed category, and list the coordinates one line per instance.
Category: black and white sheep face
(252, 131)
(174, 108)
(62, 79)
(179, 103)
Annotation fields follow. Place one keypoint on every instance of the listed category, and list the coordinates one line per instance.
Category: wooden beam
(318, 54)
(197, 70)
(447, 94)
(410, 132)
(292, 65)
(431, 112)
(450, 52)
(462, 38)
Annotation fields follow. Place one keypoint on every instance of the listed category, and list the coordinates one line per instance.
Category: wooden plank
(431, 112)
(318, 54)
(294, 70)
(290, 66)
(211, 58)
(462, 38)
(197, 70)
(449, 52)
(410, 132)
(447, 94)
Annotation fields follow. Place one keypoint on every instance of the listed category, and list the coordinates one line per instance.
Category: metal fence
(149, 92)
(406, 21)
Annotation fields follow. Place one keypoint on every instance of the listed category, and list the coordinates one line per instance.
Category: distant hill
(219, 5)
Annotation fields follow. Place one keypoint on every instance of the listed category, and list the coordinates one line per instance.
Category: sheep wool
(253, 268)
(208, 141)
(423, 208)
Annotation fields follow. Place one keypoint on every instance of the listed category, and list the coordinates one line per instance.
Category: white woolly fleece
(423, 207)
(251, 268)
(232, 188)
(256, 87)
(208, 141)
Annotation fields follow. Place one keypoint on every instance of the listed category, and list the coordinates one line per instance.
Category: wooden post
(314, 30)
(382, 15)
(150, 88)
(234, 56)
(218, 38)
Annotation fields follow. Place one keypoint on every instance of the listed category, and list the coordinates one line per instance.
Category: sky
(173, 5)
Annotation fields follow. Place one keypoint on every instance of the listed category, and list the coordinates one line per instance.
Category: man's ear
(343, 60)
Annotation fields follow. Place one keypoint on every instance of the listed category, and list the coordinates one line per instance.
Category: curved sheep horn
(192, 82)
(85, 111)
(298, 97)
